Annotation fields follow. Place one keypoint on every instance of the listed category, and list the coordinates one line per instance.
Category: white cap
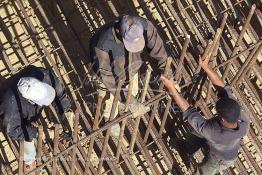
(36, 91)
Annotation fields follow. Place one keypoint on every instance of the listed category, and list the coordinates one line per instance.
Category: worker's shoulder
(32, 71)
(145, 22)
(103, 37)
(214, 125)
(8, 100)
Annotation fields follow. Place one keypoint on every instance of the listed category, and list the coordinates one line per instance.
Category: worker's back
(225, 142)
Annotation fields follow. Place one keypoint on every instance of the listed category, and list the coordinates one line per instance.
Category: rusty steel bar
(204, 56)
(21, 158)
(40, 42)
(215, 44)
(222, 26)
(11, 40)
(61, 46)
(137, 120)
(245, 27)
(135, 153)
(146, 83)
(154, 133)
(55, 147)
(112, 114)
(98, 136)
(248, 63)
(239, 39)
(203, 17)
(175, 15)
(231, 59)
(151, 120)
(112, 7)
(214, 52)
(255, 96)
(194, 28)
(181, 58)
(110, 124)
(121, 135)
(171, 30)
(75, 139)
(39, 147)
(150, 123)
(202, 103)
(162, 127)
(6, 59)
(92, 141)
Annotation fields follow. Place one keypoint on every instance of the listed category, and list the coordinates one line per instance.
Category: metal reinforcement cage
(55, 34)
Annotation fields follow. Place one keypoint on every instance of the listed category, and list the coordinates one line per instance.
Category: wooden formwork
(55, 34)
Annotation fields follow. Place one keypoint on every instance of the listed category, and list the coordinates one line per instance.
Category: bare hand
(204, 63)
(169, 83)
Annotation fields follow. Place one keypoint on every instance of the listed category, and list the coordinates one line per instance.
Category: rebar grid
(55, 35)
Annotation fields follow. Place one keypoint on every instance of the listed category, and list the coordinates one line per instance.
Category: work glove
(137, 109)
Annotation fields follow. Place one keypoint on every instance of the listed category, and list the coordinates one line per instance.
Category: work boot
(29, 167)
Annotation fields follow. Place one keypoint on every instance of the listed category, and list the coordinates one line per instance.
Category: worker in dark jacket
(116, 53)
(221, 133)
(28, 93)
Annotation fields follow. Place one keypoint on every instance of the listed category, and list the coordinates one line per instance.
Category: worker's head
(228, 109)
(36, 91)
(131, 30)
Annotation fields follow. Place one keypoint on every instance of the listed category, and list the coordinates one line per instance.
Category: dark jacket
(17, 113)
(223, 142)
(111, 59)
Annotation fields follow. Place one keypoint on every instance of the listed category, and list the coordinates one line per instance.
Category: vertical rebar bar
(75, 139)
(163, 122)
(181, 58)
(155, 108)
(55, 147)
(39, 147)
(92, 141)
(112, 114)
(248, 63)
(21, 158)
(137, 120)
(239, 39)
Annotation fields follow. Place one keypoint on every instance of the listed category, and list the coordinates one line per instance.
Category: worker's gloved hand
(137, 109)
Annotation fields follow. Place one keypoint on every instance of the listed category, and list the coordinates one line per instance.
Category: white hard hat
(36, 91)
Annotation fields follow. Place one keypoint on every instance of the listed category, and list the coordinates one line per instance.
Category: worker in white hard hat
(22, 102)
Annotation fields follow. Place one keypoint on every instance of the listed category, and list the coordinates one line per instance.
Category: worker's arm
(18, 130)
(212, 75)
(180, 101)
(156, 46)
(195, 119)
(224, 91)
(105, 70)
(62, 100)
(14, 127)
